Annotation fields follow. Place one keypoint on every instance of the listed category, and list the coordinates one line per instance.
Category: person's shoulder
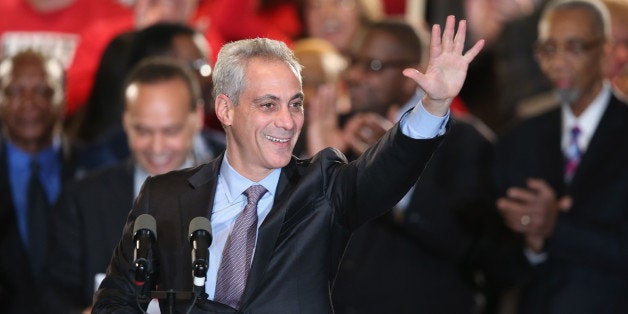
(327, 155)
(619, 104)
(102, 176)
(537, 123)
(114, 170)
(185, 178)
(322, 163)
(470, 127)
(530, 133)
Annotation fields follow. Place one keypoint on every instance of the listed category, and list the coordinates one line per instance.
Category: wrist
(436, 107)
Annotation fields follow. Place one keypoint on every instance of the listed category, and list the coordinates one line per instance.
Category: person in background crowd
(618, 65)
(325, 94)
(529, 92)
(102, 115)
(113, 37)
(162, 39)
(339, 22)
(241, 19)
(162, 118)
(562, 174)
(35, 159)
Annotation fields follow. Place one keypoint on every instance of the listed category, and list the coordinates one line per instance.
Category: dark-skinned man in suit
(32, 101)
(563, 173)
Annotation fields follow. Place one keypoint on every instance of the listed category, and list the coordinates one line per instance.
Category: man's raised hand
(447, 67)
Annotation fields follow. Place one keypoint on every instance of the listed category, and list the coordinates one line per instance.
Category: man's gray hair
(597, 9)
(228, 76)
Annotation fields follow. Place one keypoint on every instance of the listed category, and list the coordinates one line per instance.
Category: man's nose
(284, 118)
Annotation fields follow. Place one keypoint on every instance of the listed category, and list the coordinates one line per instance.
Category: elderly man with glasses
(563, 174)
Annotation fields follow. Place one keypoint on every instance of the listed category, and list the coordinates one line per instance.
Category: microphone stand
(171, 296)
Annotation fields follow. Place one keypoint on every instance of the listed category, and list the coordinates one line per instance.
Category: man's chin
(158, 169)
(280, 161)
(567, 95)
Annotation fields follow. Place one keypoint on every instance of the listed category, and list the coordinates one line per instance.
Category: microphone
(200, 238)
(144, 233)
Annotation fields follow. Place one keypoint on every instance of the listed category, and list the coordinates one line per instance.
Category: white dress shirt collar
(587, 121)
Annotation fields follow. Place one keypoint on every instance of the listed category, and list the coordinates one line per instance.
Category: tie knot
(34, 165)
(254, 193)
(575, 131)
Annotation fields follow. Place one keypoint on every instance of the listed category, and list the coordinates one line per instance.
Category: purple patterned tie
(572, 155)
(236, 257)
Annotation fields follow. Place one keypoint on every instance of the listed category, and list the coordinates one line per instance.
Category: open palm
(447, 67)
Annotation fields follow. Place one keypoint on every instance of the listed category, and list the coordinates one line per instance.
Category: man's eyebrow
(266, 97)
(298, 96)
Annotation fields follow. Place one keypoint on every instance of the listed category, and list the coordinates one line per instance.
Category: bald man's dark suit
(587, 266)
(318, 203)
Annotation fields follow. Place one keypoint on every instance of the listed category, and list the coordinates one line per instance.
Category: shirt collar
(236, 183)
(47, 157)
(588, 120)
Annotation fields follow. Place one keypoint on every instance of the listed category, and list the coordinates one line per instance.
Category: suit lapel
(554, 163)
(609, 131)
(550, 155)
(200, 199)
(6, 199)
(128, 182)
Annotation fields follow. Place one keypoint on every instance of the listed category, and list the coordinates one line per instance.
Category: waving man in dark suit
(308, 208)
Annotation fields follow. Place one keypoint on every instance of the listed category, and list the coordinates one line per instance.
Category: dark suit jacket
(319, 202)
(18, 288)
(587, 266)
(88, 221)
(425, 259)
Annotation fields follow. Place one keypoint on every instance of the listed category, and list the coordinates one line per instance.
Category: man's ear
(224, 109)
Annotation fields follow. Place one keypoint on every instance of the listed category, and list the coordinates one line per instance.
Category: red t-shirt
(55, 33)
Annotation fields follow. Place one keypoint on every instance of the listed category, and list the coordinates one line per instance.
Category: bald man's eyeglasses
(573, 49)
